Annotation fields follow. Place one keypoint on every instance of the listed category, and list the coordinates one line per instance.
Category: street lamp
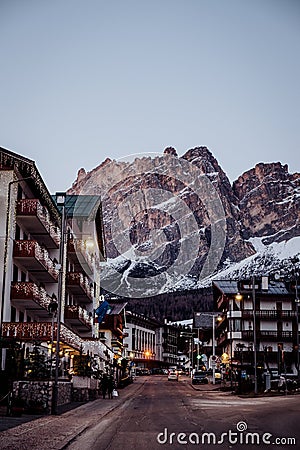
(239, 296)
(213, 316)
(254, 333)
(189, 335)
(297, 301)
(60, 201)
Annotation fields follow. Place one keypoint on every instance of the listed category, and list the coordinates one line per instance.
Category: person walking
(104, 385)
(110, 386)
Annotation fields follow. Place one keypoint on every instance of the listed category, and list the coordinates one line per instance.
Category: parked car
(199, 378)
(173, 375)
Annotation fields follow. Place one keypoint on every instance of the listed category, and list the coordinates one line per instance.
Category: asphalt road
(162, 407)
(154, 413)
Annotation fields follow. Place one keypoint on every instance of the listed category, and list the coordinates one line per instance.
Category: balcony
(80, 286)
(79, 255)
(35, 259)
(222, 338)
(270, 335)
(41, 332)
(35, 219)
(78, 317)
(269, 314)
(222, 302)
(29, 296)
(116, 343)
(246, 356)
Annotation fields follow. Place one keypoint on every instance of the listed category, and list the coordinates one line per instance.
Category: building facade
(31, 248)
(150, 343)
(272, 324)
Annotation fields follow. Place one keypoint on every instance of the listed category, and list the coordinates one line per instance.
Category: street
(177, 408)
(154, 413)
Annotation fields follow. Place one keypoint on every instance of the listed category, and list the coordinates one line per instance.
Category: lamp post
(60, 201)
(213, 316)
(254, 333)
(214, 349)
(297, 301)
(239, 297)
(189, 335)
(295, 261)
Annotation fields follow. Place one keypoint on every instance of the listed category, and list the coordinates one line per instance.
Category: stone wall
(85, 382)
(38, 394)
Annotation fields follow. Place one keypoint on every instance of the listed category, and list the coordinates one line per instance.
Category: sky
(81, 81)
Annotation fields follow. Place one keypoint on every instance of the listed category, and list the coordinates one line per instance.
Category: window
(236, 325)
(20, 192)
(21, 316)
(18, 233)
(15, 273)
(13, 314)
(133, 339)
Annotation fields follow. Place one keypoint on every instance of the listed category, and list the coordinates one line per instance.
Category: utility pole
(254, 333)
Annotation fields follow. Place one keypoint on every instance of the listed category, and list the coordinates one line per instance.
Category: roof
(25, 168)
(278, 288)
(116, 307)
(231, 287)
(227, 286)
(81, 206)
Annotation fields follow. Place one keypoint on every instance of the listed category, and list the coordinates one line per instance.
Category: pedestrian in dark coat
(104, 385)
(110, 386)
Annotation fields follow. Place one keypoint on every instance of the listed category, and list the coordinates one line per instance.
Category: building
(142, 341)
(31, 231)
(151, 344)
(273, 328)
(112, 334)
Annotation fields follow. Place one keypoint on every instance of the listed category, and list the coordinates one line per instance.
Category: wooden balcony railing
(80, 285)
(79, 254)
(34, 257)
(269, 314)
(26, 292)
(37, 220)
(269, 334)
(78, 316)
(41, 332)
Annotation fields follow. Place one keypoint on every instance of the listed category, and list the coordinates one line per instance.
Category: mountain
(172, 223)
(269, 200)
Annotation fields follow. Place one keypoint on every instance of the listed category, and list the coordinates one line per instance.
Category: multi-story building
(273, 328)
(170, 335)
(150, 343)
(142, 340)
(30, 247)
(112, 333)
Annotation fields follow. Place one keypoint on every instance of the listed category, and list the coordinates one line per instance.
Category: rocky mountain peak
(142, 214)
(269, 200)
(170, 151)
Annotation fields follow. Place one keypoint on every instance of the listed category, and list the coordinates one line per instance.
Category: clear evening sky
(84, 80)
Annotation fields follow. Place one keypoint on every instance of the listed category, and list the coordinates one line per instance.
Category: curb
(123, 400)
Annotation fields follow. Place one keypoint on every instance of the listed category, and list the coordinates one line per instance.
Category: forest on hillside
(173, 306)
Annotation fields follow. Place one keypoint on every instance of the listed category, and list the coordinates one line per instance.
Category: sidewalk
(7, 422)
(57, 432)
